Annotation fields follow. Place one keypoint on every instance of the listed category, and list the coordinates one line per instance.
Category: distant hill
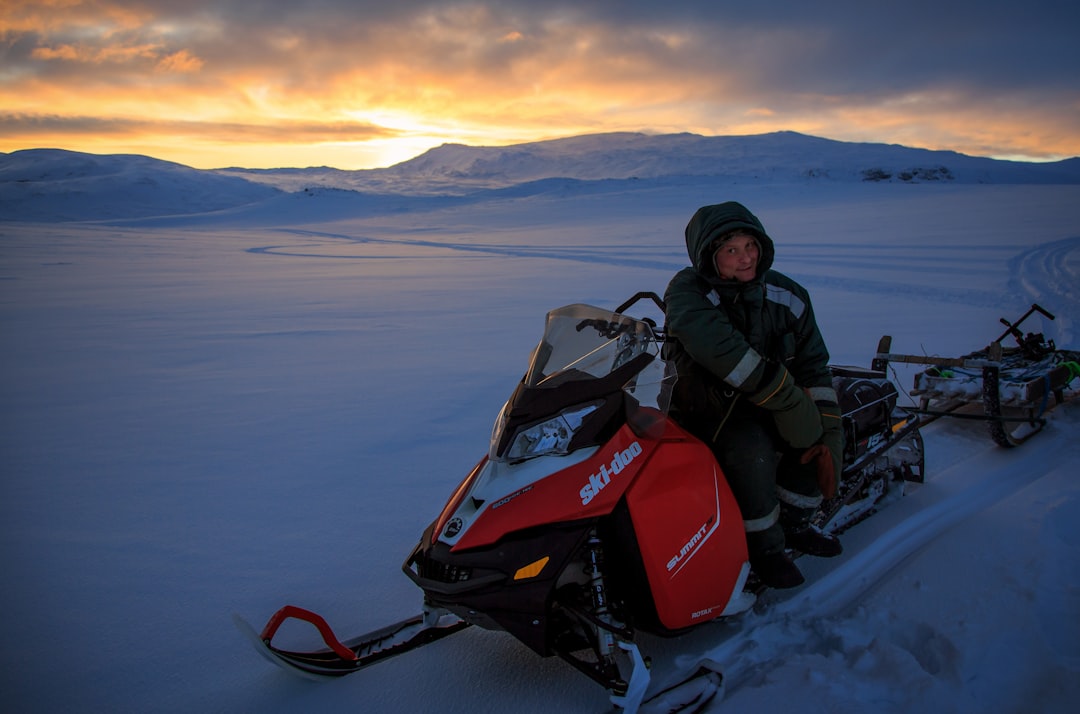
(777, 157)
(58, 185)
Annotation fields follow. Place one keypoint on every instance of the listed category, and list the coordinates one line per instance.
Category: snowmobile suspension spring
(599, 593)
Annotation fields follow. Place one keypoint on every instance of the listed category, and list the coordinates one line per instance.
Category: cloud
(832, 47)
(181, 61)
(117, 54)
(517, 69)
(288, 131)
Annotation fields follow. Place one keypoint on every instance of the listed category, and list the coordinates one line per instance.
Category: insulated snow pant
(774, 491)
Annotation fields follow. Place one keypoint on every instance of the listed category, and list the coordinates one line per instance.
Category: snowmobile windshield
(582, 342)
(587, 356)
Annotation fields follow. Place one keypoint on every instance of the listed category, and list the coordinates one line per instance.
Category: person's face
(737, 258)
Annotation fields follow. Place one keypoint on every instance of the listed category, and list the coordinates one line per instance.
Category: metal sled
(1012, 384)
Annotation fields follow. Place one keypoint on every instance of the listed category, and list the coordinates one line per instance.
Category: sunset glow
(364, 84)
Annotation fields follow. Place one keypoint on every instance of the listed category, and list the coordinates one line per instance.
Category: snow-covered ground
(231, 412)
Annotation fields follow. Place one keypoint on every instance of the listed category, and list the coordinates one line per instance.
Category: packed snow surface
(231, 411)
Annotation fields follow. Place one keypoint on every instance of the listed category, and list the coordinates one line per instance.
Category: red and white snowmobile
(595, 516)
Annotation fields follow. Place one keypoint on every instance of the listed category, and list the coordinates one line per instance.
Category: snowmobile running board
(343, 658)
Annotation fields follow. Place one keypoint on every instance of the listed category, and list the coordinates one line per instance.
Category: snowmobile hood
(710, 222)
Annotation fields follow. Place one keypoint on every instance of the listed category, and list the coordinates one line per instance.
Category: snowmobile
(595, 516)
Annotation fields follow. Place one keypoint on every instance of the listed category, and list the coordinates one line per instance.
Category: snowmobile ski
(341, 658)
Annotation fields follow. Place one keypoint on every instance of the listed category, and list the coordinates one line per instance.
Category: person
(754, 384)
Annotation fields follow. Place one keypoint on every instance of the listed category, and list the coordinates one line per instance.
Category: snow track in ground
(806, 622)
(338, 246)
(1051, 271)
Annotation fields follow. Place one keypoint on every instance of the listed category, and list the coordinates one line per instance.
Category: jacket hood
(710, 222)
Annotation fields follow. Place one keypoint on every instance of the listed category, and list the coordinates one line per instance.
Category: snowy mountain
(777, 157)
(56, 185)
(781, 156)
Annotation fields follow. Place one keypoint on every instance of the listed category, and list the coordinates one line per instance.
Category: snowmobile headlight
(551, 436)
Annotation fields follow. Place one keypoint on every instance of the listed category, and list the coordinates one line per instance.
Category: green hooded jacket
(726, 337)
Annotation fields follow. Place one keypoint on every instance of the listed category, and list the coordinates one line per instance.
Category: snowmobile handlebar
(646, 295)
(641, 296)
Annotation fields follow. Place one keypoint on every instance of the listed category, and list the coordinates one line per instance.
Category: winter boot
(800, 535)
(812, 541)
(777, 570)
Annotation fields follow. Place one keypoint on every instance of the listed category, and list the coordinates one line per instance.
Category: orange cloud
(97, 55)
(182, 62)
(58, 16)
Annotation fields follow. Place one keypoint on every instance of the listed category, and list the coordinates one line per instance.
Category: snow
(266, 403)
(779, 156)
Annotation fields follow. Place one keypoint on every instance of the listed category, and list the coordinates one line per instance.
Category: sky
(366, 83)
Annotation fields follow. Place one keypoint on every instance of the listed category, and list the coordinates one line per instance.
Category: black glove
(794, 413)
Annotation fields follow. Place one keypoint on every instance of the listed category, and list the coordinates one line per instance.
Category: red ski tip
(300, 613)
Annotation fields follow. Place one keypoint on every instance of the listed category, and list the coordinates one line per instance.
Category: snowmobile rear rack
(1013, 384)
